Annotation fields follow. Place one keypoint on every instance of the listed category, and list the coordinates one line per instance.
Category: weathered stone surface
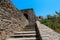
(11, 19)
(30, 16)
(47, 33)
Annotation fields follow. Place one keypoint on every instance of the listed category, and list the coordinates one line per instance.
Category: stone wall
(11, 19)
(29, 14)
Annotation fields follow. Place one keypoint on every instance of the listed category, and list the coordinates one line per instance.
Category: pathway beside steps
(47, 33)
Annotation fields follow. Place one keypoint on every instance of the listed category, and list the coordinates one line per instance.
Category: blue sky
(41, 7)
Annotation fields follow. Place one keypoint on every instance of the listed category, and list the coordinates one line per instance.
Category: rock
(11, 19)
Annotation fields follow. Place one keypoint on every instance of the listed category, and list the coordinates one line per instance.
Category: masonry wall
(11, 19)
(30, 16)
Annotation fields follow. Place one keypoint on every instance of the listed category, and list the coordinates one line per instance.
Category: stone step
(23, 35)
(31, 38)
(26, 32)
(29, 29)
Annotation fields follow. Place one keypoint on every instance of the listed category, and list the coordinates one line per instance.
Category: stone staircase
(29, 33)
(24, 35)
